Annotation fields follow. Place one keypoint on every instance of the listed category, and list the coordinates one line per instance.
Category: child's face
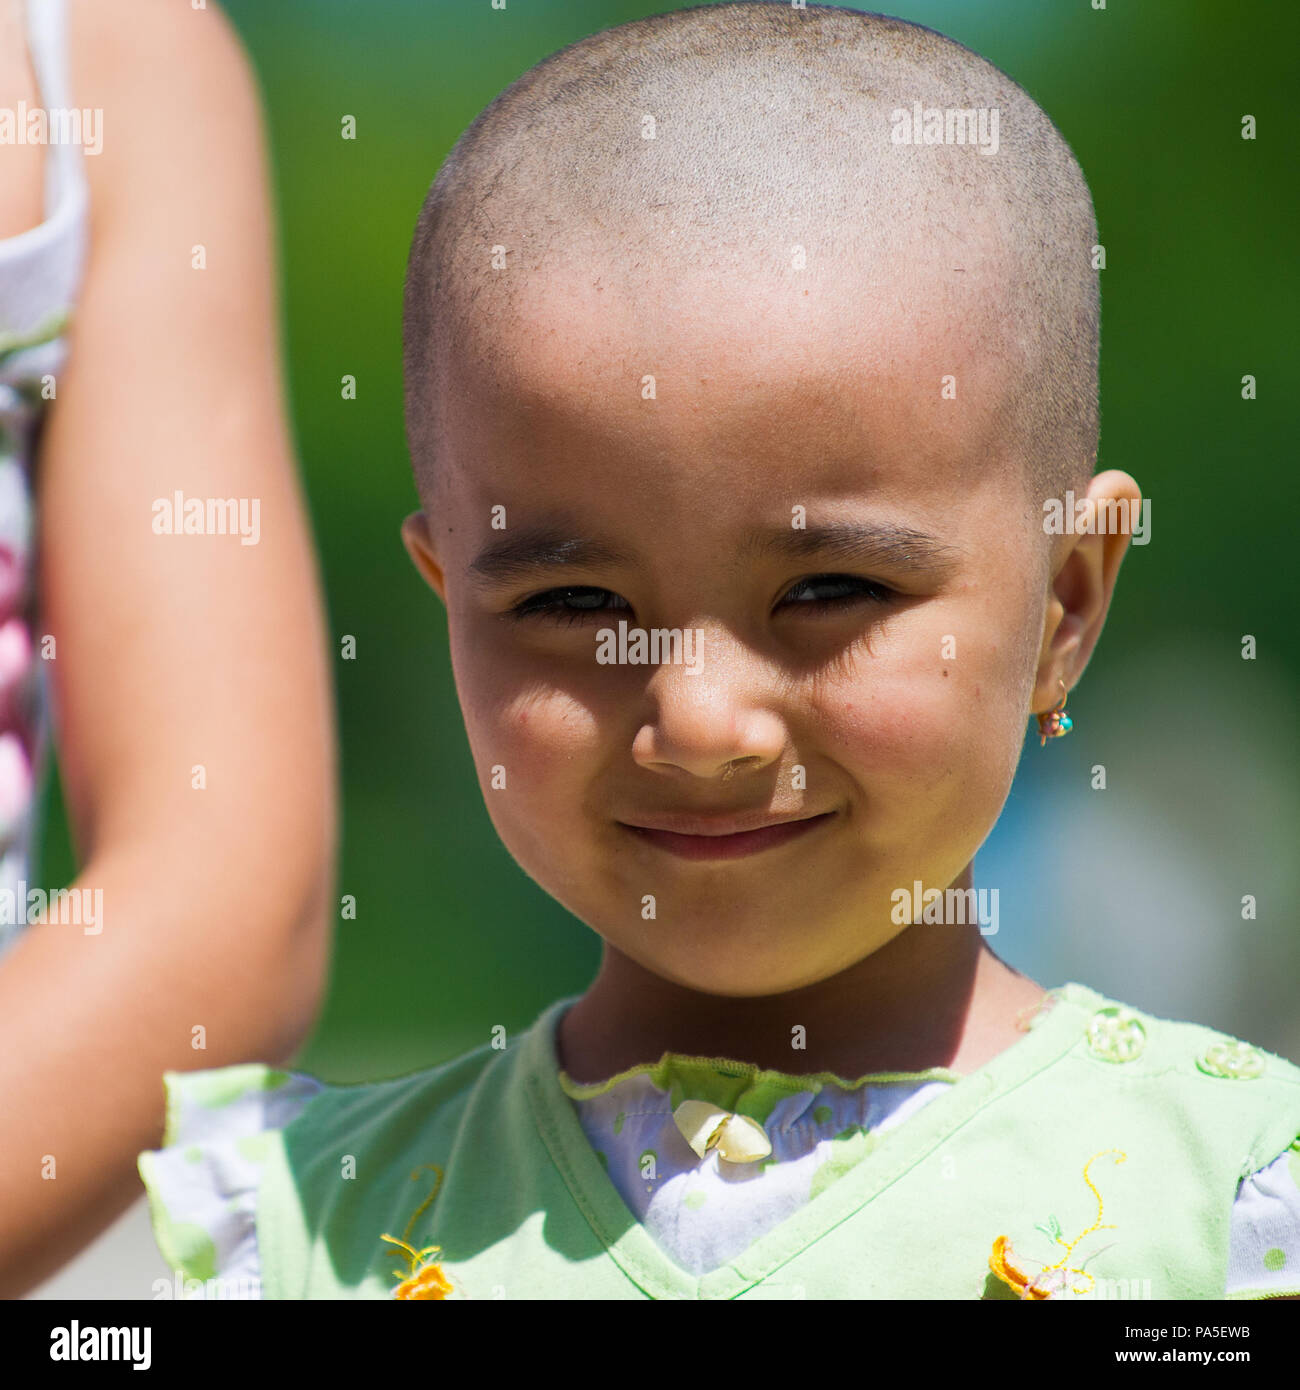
(906, 714)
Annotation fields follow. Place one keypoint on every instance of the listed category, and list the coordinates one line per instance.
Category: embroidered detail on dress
(421, 1279)
(1232, 1060)
(1054, 1279)
(1116, 1034)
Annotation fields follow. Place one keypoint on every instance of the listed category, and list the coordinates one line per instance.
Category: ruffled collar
(742, 1088)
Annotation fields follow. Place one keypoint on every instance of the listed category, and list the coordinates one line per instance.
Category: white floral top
(40, 272)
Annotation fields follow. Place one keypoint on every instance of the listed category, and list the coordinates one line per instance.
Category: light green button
(1116, 1034)
(1234, 1061)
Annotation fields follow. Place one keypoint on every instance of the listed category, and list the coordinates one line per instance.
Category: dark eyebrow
(542, 547)
(900, 548)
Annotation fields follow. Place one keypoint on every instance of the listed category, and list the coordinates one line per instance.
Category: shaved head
(758, 146)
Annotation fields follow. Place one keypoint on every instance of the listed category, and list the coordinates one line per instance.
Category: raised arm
(172, 651)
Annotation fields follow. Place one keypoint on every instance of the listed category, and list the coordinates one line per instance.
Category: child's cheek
(910, 721)
(533, 748)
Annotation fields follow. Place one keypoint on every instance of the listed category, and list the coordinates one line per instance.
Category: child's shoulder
(239, 1103)
(1132, 1038)
(224, 1123)
(1184, 1068)
(1230, 1110)
(1228, 1099)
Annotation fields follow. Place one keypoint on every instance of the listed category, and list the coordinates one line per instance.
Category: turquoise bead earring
(1055, 723)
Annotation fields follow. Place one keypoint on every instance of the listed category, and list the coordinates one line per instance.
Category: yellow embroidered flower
(421, 1279)
(1053, 1279)
(1000, 1264)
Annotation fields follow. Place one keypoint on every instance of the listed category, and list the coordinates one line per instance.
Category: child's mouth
(728, 846)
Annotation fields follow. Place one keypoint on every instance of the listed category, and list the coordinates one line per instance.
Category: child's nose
(724, 711)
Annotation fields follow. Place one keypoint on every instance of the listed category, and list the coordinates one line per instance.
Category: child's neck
(931, 997)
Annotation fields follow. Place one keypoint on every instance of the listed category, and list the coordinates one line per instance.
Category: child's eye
(858, 589)
(551, 604)
(571, 605)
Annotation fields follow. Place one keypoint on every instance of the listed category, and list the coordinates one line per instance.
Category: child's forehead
(727, 381)
(949, 283)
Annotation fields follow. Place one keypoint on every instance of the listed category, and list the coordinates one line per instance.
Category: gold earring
(1055, 723)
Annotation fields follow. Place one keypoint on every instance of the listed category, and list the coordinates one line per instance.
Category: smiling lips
(723, 837)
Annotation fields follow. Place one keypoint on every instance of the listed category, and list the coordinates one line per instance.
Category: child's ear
(1083, 584)
(418, 540)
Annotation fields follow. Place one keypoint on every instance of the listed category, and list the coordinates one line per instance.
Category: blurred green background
(1135, 890)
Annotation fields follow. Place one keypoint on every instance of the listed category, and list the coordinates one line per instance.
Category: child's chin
(739, 974)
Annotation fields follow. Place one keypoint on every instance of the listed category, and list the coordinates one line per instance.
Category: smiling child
(755, 338)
